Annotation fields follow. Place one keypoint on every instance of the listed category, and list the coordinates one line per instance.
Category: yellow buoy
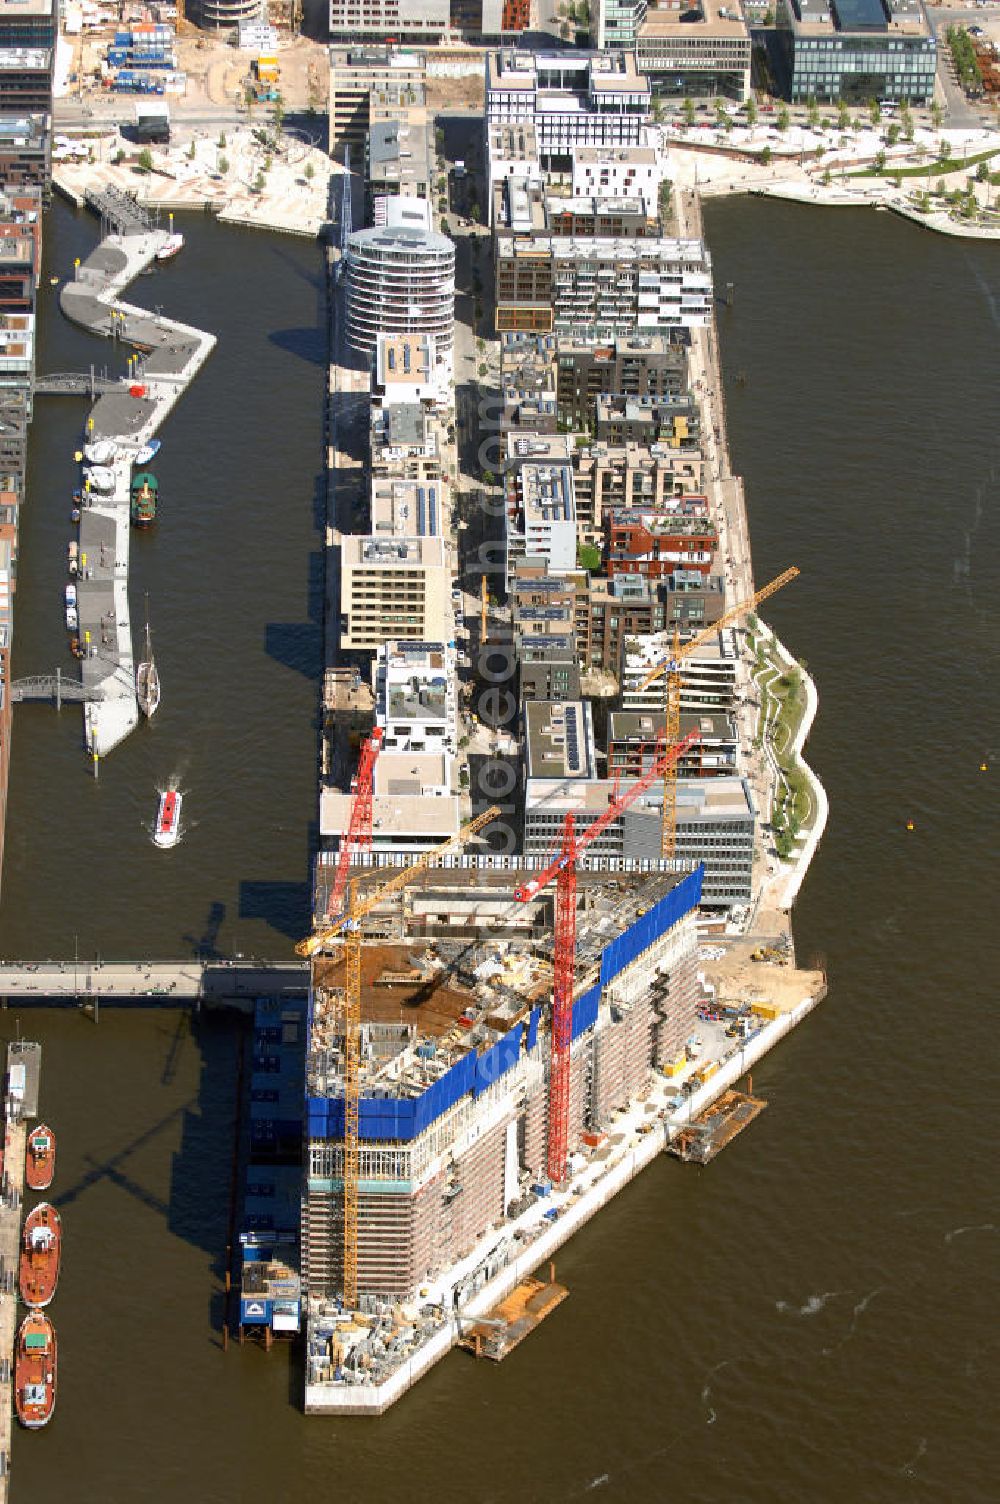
(910, 825)
(78, 456)
(984, 767)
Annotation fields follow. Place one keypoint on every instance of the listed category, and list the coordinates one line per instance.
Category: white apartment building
(708, 676)
(511, 152)
(571, 98)
(393, 587)
(540, 503)
(407, 370)
(621, 286)
(415, 697)
(620, 172)
(401, 280)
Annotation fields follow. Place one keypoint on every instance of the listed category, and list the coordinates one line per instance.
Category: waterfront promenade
(173, 353)
(775, 882)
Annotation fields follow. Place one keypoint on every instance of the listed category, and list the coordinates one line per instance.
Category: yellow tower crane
(672, 668)
(347, 930)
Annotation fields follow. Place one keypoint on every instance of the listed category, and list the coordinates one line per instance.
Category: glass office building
(856, 50)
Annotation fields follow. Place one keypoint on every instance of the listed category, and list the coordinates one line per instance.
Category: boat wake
(856, 1314)
(958, 1232)
(812, 1307)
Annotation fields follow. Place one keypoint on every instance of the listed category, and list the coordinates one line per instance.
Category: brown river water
(813, 1317)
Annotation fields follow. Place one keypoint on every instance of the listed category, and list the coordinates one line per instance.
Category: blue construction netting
(660, 918)
(504, 1054)
(585, 1011)
(399, 1118)
(393, 1117)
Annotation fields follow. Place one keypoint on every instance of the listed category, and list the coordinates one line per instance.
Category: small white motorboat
(102, 452)
(147, 452)
(73, 557)
(168, 818)
(173, 243)
(100, 478)
(72, 617)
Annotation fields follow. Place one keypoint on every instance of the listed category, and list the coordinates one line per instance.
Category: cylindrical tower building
(400, 280)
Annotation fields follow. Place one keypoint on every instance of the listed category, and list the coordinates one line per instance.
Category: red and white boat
(168, 818)
(40, 1158)
(35, 1371)
(41, 1253)
(173, 243)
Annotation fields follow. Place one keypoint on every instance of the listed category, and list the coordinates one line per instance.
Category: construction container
(708, 1070)
(768, 1011)
(267, 70)
(674, 1067)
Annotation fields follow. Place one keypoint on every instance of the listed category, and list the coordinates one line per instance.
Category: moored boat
(173, 243)
(145, 490)
(72, 617)
(147, 679)
(40, 1158)
(168, 818)
(73, 556)
(147, 452)
(100, 478)
(101, 452)
(35, 1371)
(41, 1250)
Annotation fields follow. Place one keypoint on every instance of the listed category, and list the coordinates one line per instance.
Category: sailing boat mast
(147, 680)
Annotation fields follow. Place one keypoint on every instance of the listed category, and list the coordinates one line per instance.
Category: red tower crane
(359, 831)
(562, 868)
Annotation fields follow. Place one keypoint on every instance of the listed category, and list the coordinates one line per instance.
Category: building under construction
(454, 1086)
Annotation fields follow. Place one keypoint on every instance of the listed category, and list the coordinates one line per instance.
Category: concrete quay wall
(660, 1125)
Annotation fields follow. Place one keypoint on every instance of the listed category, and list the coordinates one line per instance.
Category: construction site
(465, 1127)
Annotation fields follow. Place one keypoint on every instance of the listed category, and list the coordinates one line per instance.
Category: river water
(812, 1317)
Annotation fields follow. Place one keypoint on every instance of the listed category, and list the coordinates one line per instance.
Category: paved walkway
(173, 354)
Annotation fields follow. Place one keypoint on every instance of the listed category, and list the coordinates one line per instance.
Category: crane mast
(562, 870)
(671, 667)
(346, 928)
(358, 836)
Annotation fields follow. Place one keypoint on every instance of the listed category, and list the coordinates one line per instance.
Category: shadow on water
(194, 1204)
(286, 905)
(299, 645)
(308, 344)
(206, 945)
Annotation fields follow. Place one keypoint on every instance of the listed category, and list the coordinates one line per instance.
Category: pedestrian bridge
(223, 982)
(50, 687)
(77, 384)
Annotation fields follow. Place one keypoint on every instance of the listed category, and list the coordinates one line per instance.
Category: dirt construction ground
(217, 74)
